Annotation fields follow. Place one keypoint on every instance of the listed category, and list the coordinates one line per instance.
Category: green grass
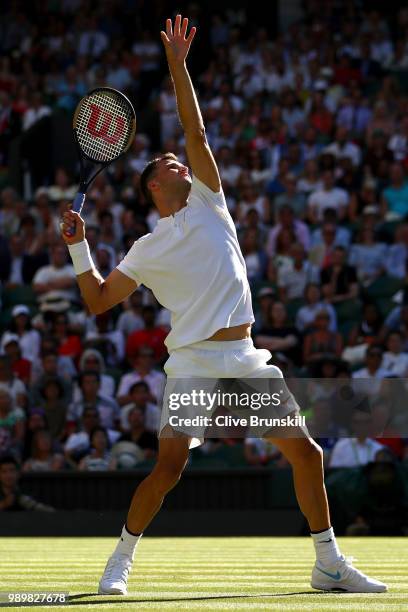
(203, 573)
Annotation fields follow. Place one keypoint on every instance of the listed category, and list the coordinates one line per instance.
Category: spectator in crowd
(321, 342)
(131, 320)
(78, 443)
(397, 255)
(69, 344)
(292, 283)
(140, 397)
(29, 338)
(306, 315)
(373, 365)
(259, 452)
(42, 458)
(21, 367)
(362, 334)
(143, 370)
(356, 451)
(108, 410)
(54, 406)
(151, 335)
(339, 280)
(91, 359)
(395, 361)
(12, 425)
(10, 382)
(395, 197)
(368, 257)
(328, 196)
(99, 458)
(11, 497)
(108, 340)
(57, 280)
(139, 434)
(277, 335)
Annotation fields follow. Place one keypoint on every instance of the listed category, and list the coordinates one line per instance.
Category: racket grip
(76, 207)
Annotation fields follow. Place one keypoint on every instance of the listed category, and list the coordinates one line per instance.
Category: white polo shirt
(193, 263)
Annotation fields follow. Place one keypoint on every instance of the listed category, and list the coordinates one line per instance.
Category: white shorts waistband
(225, 345)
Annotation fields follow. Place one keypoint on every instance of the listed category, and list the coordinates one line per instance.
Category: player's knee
(309, 453)
(168, 475)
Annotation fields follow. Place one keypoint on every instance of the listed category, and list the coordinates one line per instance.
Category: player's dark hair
(148, 173)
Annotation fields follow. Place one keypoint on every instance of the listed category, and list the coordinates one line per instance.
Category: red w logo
(104, 125)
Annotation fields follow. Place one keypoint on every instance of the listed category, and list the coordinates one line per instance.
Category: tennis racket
(104, 127)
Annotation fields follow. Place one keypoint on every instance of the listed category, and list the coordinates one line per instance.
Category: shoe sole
(325, 587)
(111, 592)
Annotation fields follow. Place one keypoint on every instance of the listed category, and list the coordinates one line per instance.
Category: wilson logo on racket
(105, 121)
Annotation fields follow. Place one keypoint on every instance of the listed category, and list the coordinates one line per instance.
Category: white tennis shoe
(343, 576)
(115, 577)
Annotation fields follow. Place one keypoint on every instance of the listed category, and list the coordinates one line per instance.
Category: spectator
(306, 315)
(373, 366)
(327, 197)
(287, 221)
(99, 459)
(356, 451)
(363, 334)
(57, 280)
(69, 344)
(290, 197)
(292, 283)
(91, 359)
(395, 361)
(108, 410)
(397, 256)
(151, 336)
(321, 342)
(12, 425)
(35, 111)
(259, 452)
(368, 257)
(277, 335)
(139, 434)
(78, 442)
(131, 320)
(11, 498)
(42, 458)
(343, 147)
(21, 367)
(139, 397)
(109, 341)
(10, 382)
(339, 280)
(54, 406)
(29, 338)
(254, 255)
(395, 197)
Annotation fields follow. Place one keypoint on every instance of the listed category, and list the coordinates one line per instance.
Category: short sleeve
(201, 191)
(131, 264)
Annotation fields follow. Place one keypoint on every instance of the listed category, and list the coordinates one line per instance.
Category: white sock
(127, 543)
(327, 551)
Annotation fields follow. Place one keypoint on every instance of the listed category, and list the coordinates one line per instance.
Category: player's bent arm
(101, 295)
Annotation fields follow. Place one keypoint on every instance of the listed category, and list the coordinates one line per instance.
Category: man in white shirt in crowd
(57, 280)
(328, 196)
(193, 264)
(357, 451)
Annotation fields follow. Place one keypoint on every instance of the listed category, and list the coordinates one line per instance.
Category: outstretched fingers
(184, 27)
(169, 28)
(191, 36)
(177, 24)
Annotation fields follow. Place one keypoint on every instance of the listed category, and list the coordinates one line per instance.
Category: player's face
(172, 172)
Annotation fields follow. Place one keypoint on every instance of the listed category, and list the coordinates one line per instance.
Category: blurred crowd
(310, 132)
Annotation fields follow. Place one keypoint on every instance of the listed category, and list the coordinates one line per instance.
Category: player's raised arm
(177, 44)
(99, 294)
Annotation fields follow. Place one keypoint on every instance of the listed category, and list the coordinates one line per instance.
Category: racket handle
(76, 207)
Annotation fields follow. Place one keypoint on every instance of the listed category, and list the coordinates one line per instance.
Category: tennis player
(193, 264)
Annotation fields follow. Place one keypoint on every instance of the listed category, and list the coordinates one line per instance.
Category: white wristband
(81, 257)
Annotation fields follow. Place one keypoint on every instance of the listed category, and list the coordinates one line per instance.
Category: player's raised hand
(176, 44)
(72, 221)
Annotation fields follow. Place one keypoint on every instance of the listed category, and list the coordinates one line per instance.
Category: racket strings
(104, 126)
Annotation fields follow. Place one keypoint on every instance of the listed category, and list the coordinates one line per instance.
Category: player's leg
(332, 570)
(147, 499)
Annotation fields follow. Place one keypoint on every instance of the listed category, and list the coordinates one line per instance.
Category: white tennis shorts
(237, 359)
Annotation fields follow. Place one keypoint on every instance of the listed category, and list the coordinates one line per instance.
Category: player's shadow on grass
(72, 598)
